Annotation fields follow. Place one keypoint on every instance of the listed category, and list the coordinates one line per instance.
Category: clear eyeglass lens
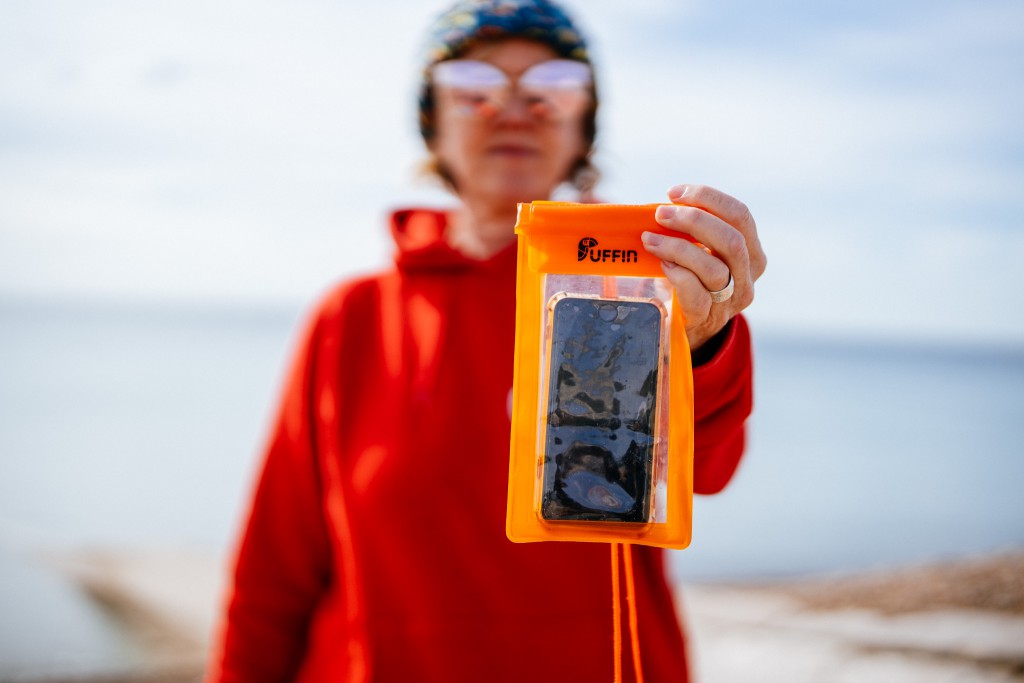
(468, 73)
(562, 84)
(476, 88)
(561, 74)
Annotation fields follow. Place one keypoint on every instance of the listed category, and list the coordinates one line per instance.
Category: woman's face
(514, 155)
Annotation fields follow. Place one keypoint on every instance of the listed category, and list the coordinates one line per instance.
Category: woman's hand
(724, 225)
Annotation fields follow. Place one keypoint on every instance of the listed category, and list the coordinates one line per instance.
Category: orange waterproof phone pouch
(602, 407)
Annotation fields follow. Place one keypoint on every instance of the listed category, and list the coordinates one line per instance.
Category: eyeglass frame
(427, 105)
(495, 87)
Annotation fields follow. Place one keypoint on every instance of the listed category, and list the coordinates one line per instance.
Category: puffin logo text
(588, 248)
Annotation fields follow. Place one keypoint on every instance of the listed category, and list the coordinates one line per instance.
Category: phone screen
(602, 389)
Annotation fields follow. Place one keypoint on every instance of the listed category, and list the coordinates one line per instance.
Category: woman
(375, 547)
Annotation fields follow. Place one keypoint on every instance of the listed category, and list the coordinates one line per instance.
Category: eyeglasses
(555, 89)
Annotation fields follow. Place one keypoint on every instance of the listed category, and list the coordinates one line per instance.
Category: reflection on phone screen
(602, 389)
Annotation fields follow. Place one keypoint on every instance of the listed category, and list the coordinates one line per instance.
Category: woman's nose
(523, 108)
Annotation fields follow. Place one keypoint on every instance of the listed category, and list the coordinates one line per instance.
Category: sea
(138, 426)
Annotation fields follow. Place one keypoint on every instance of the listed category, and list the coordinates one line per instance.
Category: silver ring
(724, 294)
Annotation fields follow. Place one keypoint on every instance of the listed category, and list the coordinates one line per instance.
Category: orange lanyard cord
(616, 615)
(634, 632)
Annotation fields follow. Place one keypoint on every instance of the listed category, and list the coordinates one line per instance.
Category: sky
(246, 154)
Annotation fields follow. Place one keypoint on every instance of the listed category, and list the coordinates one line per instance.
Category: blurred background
(179, 181)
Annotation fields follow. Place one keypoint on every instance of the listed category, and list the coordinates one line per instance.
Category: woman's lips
(514, 151)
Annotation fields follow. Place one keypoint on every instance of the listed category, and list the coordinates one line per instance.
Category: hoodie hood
(419, 236)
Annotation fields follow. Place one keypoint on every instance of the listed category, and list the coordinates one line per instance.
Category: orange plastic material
(558, 232)
(595, 241)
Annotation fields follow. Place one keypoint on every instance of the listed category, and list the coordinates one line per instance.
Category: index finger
(729, 209)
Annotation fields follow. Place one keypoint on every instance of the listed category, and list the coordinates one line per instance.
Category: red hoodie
(375, 547)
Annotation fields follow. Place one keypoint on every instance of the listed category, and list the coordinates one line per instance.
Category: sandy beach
(958, 620)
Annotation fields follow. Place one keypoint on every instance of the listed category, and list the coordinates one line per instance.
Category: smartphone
(603, 363)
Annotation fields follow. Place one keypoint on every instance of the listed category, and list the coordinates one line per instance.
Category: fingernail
(652, 239)
(668, 265)
(677, 192)
(665, 212)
